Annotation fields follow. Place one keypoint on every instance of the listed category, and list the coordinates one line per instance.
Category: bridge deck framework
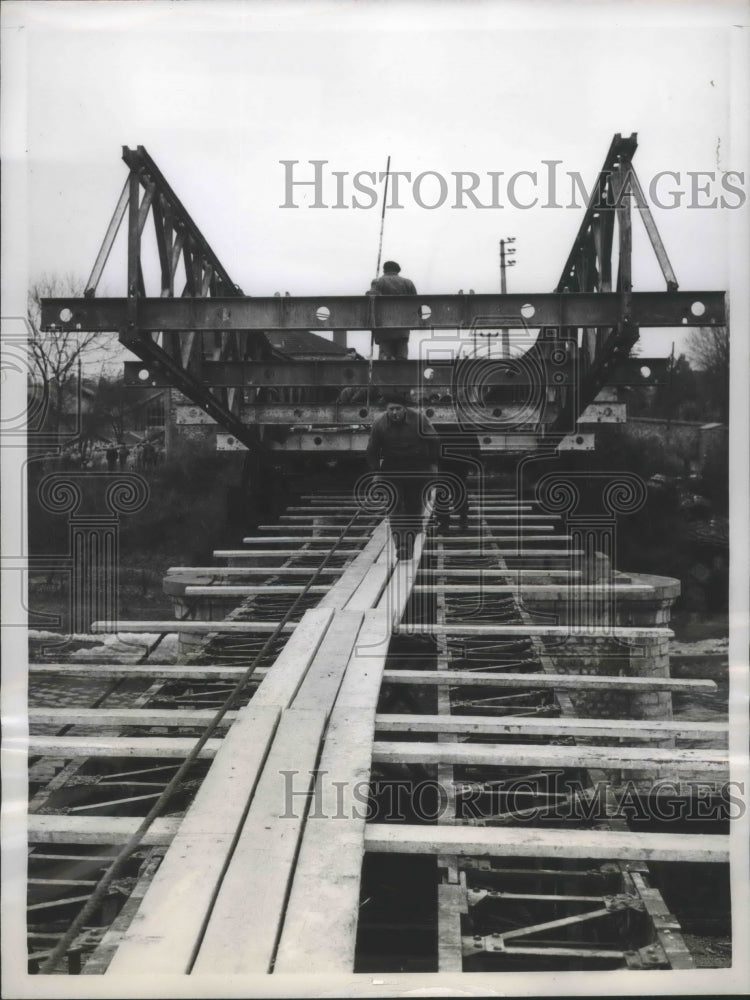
(524, 734)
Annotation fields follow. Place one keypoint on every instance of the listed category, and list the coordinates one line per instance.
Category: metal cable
(114, 869)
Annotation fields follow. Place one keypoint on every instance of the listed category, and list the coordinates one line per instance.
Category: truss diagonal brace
(178, 377)
(141, 164)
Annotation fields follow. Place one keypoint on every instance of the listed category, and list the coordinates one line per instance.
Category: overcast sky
(220, 93)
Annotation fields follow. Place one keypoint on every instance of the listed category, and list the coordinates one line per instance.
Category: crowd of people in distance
(109, 456)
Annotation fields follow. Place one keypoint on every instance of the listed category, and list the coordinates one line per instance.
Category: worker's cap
(391, 265)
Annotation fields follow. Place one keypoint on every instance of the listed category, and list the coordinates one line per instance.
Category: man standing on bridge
(404, 448)
(393, 342)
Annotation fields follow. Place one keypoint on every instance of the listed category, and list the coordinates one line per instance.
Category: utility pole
(505, 263)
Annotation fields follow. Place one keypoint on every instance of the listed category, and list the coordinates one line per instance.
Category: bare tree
(60, 357)
(112, 406)
(708, 349)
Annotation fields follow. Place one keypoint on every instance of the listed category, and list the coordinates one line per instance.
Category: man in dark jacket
(404, 449)
(393, 342)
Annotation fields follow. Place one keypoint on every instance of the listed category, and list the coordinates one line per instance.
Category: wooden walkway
(263, 872)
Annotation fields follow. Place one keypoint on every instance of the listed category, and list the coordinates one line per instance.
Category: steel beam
(289, 414)
(430, 377)
(444, 377)
(346, 440)
(362, 312)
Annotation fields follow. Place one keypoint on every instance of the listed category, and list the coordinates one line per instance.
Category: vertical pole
(377, 272)
(505, 338)
(382, 214)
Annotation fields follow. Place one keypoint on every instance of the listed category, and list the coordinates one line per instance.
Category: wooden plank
(47, 829)
(451, 899)
(514, 553)
(96, 717)
(119, 746)
(360, 687)
(498, 502)
(505, 508)
(320, 927)
(59, 882)
(368, 592)
(521, 517)
(173, 672)
(284, 677)
(248, 590)
(490, 494)
(543, 755)
(551, 631)
(267, 553)
(562, 575)
(518, 529)
(228, 571)
(314, 519)
(325, 508)
(343, 589)
(591, 728)
(518, 537)
(330, 536)
(174, 625)
(244, 924)
(547, 591)
(530, 842)
(163, 933)
(323, 679)
(336, 515)
(397, 593)
(325, 539)
(574, 682)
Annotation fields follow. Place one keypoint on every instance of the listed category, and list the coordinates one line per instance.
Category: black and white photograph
(374, 438)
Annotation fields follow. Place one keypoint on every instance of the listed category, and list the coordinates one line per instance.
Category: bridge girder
(210, 341)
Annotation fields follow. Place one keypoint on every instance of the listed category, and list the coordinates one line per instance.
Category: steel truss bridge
(158, 843)
(203, 336)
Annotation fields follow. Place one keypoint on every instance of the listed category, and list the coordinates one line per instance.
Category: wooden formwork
(261, 872)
